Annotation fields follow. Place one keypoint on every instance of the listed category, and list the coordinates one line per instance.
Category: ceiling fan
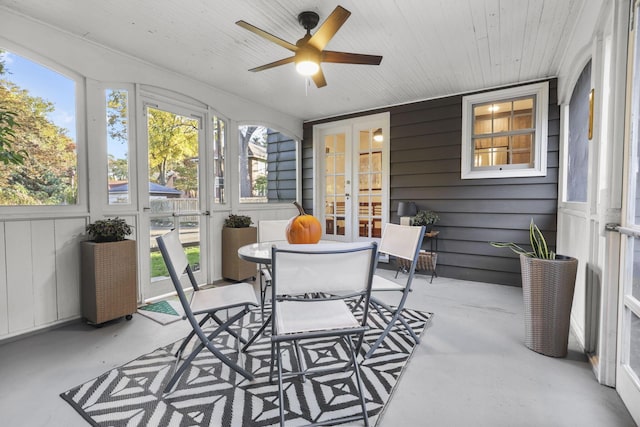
(309, 50)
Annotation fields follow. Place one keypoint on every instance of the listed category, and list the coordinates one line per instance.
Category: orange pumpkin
(303, 228)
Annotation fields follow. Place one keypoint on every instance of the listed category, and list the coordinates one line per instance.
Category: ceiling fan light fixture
(307, 67)
(307, 61)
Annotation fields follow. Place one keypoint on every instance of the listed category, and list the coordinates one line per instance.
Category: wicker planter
(109, 280)
(547, 289)
(233, 267)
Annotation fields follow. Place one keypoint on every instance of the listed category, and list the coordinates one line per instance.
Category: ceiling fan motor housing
(309, 20)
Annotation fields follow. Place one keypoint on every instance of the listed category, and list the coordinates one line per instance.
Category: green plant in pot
(539, 247)
(109, 230)
(548, 282)
(238, 221)
(237, 232)
(426, 218)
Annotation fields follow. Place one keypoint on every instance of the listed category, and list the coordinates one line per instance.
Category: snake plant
(539, 248)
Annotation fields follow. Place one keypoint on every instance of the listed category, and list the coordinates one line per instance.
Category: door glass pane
(334, 185)
(634, 344)
(340, 163)
(635, 286)
(578, 139)
(340, 143)
(118, 146)
(330, 187)
(219, 156)
(369, 184)
(173, 184)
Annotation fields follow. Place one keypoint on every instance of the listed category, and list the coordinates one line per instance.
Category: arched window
(268, 165)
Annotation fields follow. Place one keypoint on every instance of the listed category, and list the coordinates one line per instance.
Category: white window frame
(539, 168)
(81, 207)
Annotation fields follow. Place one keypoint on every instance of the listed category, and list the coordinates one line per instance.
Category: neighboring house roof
(257, 151)
(154, 189)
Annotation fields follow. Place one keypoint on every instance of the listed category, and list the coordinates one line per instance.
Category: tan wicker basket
(547, 290)
(109, 280)
(426, 262)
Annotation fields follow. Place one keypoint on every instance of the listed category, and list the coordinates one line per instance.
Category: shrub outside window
(43, 106)
(504, 133)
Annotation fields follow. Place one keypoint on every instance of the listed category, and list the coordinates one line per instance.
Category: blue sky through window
(47, 84)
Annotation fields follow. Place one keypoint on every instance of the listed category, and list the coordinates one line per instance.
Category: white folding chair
(309, 288)
(269, 231)
(204, 301)
(403, 241)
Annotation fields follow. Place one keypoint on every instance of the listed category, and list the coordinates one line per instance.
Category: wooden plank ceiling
(431, 48)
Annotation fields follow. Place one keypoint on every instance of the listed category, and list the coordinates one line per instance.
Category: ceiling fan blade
(350, 58)
(277, 40)
(273, 64)
(318, 79)
(329, 28)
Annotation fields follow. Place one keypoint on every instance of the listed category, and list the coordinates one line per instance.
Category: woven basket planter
(547, 289)
(426, 261)
(109, 280)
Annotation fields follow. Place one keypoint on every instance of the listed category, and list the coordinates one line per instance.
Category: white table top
(259, 253)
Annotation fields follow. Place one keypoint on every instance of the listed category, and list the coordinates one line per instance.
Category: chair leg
(257, 334)
(190, 335)
(280, 386)
(205, 341)
(397, 316)
(229, 330)
(301, 364)
(356, 369)
(377, 304)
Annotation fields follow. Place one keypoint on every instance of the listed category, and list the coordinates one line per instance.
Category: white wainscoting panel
(69, 233)
(19, 276)
(40, 274)
(44, 272)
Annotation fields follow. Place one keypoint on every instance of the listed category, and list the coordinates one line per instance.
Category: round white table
(260, 253)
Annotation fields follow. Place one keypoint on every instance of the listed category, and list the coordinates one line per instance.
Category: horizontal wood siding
(281, 167)
(425, 150)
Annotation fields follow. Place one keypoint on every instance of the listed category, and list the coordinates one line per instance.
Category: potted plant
(109, 230)
(109, 272)
(426, 218)
(548, 282)
(236, 232)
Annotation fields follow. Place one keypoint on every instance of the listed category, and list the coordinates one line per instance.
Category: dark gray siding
(281, 167)
(425, 149)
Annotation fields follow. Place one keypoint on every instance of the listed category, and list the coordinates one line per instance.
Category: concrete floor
(471, 368)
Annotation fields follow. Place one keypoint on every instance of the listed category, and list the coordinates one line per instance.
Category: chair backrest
(323, 268)
(272, 230)
(175, 258)
(402, 241)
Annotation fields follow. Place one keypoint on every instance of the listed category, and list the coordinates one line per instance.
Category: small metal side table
(427, 260)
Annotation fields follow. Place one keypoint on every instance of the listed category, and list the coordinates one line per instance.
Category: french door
(172, 192)
(351, 163)
(628, 342)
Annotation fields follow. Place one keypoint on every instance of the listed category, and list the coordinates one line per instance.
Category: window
(219, 155)
(504, 133)
(578, 144)
(42, 104)
(117, 104)
(268, 165)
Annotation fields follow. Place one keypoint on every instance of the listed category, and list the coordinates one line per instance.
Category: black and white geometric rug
(210, 394)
